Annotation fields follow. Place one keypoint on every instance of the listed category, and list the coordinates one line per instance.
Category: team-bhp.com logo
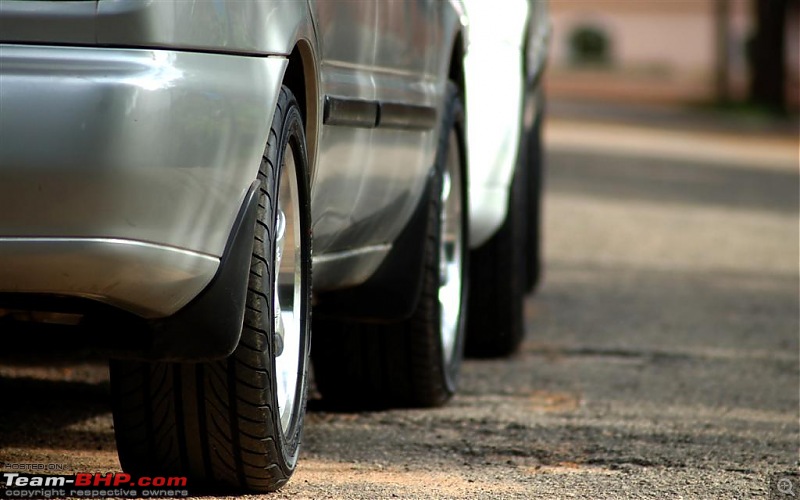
(94, 485)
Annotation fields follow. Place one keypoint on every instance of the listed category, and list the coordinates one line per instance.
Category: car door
(346, 33)
(376, 142)
(379, 61)
(409, 88)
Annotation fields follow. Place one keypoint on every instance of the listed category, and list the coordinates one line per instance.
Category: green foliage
(589, 45)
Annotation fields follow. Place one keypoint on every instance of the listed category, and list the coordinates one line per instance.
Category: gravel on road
(661, 357)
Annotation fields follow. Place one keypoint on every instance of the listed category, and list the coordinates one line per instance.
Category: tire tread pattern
(369, 365)
(223, 430)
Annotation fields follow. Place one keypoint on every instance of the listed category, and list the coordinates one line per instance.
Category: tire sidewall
(291, 135)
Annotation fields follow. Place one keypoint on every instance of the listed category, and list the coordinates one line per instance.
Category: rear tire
(413, 362)
(237, 422)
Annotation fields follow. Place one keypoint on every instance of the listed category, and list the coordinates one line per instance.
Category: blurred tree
(768, 82)
(723, 45)
(589, 45)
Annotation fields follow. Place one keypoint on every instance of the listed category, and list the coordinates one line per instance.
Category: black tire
(219, 423)
(498, 277)
(533, 158)
(404, 364)
(508, 266)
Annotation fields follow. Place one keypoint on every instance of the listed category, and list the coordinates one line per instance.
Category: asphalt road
(661, 358)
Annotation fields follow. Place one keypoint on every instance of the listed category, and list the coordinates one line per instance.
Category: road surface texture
(661, 358)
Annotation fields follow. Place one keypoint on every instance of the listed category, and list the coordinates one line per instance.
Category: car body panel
(369, 178)
(195, 25)
(512, 41)
(157, 146)
(140, 145)
(143, 278)
(142, 123)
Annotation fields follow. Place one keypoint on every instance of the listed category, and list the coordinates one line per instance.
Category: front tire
(237, 422)
(508, 266)
(413, 362)
(533, 112)
(498, 275)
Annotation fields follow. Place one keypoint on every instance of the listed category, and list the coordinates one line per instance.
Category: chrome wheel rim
(451, 251)
(287, 292)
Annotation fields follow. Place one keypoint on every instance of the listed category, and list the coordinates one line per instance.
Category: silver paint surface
(146, 279)
(140, 145)
(146, 145)
(252, 26)
(369, 181)
(156, 136)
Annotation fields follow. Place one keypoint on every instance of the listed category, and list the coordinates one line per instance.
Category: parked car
(503, 70)
(163, 166)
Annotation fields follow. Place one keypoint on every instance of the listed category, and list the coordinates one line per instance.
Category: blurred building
(661, 50)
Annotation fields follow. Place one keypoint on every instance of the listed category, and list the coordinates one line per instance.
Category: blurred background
(733, 53)
(669, 307)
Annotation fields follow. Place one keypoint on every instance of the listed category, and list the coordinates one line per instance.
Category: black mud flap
(393, 291)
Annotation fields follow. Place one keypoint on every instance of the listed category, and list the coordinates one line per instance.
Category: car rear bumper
(143, 278)
(122, 170)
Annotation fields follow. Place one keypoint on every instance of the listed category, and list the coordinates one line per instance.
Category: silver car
(163, 165)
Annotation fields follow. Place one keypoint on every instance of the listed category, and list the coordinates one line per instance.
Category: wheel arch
(456, 75)
(455, 71)
(301, 77)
